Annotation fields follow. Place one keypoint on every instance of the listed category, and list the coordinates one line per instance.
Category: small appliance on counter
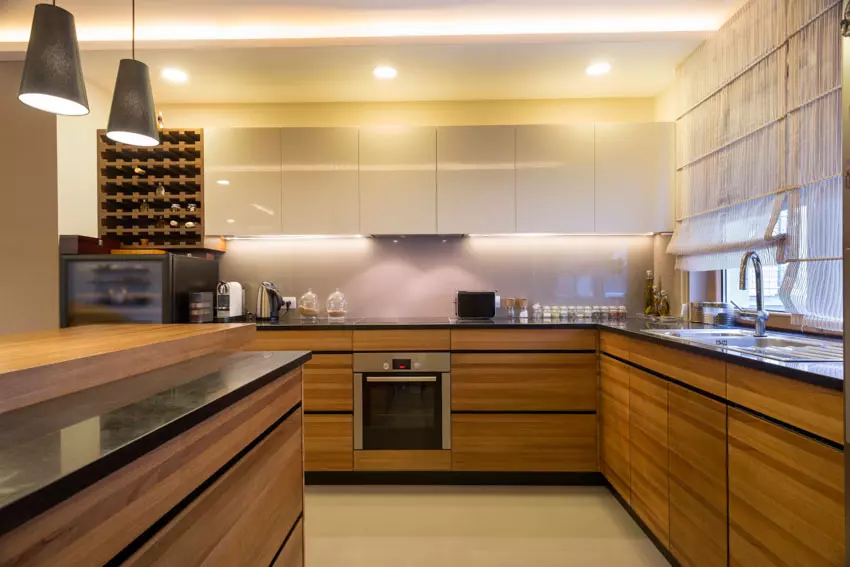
(269, 302)
(475, 304)
(229, 302)
(201, 307)
(143, 288)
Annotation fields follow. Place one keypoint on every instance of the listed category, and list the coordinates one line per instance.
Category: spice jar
(336, 307)
(308, 306)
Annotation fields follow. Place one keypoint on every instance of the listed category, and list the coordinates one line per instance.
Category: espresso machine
(229, 302)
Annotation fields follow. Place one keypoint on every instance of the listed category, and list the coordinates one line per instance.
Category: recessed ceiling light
(223, 182)
(231, 221)
(385, 73)
(598, 69)
(174, 75)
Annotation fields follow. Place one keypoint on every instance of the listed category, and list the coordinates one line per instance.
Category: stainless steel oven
(402, 401)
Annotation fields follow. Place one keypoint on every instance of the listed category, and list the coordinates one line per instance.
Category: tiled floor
(377, 526)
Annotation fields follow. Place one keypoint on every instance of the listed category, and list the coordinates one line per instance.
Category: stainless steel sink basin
(776, 347)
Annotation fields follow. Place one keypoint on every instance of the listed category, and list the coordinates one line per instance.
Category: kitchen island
(198, 461)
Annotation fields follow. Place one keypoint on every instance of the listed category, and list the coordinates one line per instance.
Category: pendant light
(53, 77)
(132, 118)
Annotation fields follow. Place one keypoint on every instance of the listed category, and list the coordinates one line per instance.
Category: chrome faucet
(759, 316)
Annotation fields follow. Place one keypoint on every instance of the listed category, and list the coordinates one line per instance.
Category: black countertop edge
(416, 326)
(741, 359)
(31, 505)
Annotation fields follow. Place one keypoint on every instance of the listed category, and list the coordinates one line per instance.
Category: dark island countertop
(825, 374)
(52, 450)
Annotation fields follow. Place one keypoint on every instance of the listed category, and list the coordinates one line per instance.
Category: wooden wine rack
(170, 173)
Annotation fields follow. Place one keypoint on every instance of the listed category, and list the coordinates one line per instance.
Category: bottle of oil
(648, 295)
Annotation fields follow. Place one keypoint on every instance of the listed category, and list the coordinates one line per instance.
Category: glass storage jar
(308, 306)
(336, 307)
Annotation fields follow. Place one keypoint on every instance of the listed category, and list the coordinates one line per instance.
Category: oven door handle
(407, 379)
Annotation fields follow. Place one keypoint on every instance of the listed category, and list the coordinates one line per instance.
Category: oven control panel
(402, 362)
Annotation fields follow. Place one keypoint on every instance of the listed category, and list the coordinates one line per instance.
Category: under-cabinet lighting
(550, 234)
(295, 237)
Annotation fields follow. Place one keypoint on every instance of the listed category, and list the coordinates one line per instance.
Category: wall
(414, 113)
(77, 164)
(29, 235)
(418, 276)
(665, 104)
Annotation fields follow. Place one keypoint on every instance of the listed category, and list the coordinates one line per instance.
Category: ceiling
(324, 50)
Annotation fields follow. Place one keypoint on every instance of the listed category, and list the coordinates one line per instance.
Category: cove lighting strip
(296, 237)
(550, 234)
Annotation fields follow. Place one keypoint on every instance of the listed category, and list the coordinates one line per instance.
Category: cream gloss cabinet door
(555, 178)
(398, 180)
(635, 172)
(242, 181)
(320, 180)
(476, 184)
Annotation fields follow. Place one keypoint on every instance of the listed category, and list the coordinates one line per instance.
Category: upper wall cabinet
(398, 184)
(635, 171)
(476, 186)
(320, 181)
(242, 178)
(555, 178)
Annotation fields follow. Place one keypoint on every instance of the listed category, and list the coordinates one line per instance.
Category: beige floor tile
(471, 526)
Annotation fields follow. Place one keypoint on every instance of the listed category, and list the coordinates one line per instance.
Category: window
(746, 299)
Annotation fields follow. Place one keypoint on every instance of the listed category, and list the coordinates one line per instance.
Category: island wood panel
(318, 341)
(292, 554)
(524, 442)
(615, 344)
(698, 510)
(328, 442)
(93, 525)
(615, 446)
(648, 453)
(811, 408)
(402, 340)
(523, 339)
(328, 383)
(440, 460)
(244, 516)
(702, 372)
(35, 367)
(524, 382)
(786, 497)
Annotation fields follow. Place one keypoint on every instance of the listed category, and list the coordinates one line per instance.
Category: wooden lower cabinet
(328, 383)
(786, 497)
(524, 382)
(244, 516)
(524, 442)
(648, 457)
(292, 554)
(402, 340)
(697, 453)
(328, 442)
(439, 460)
(615, 449)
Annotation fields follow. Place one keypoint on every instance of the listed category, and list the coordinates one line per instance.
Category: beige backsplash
(418, 276)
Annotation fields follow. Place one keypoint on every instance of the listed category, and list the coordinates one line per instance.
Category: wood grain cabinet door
(698, 510)
(614, 415)
(786, 497)
(328, 442)
(648, 457)
(328, 383)
(523, 382)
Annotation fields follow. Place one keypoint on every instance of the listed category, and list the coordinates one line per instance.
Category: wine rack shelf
(139, 186)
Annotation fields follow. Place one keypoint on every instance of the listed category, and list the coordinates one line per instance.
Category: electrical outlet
(291, 301)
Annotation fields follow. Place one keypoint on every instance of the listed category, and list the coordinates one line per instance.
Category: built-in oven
(402, 401)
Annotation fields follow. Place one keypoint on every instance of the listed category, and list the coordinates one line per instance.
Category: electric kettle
(269, 302)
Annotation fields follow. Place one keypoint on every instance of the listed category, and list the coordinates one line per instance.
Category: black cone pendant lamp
(53, 77)
(132, 118)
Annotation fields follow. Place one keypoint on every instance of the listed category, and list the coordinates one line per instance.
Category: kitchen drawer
(440, 460)
(395, 340)
(615, 344)
(786, 497)
(328, 442)
(292, 554)
(702, 372)
(811, 408)
(244, 516)
(523, 382)
(328, 383)
(321, 341)
(523, 339)
(524, 442)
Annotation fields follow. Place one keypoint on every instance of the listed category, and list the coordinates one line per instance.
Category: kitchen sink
(777, 347)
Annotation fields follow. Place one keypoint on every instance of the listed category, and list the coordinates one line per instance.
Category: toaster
(475, 304)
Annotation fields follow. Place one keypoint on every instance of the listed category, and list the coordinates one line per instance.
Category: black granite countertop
(826, 374)
(50, 451)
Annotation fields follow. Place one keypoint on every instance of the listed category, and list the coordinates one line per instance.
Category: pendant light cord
(133, 32)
